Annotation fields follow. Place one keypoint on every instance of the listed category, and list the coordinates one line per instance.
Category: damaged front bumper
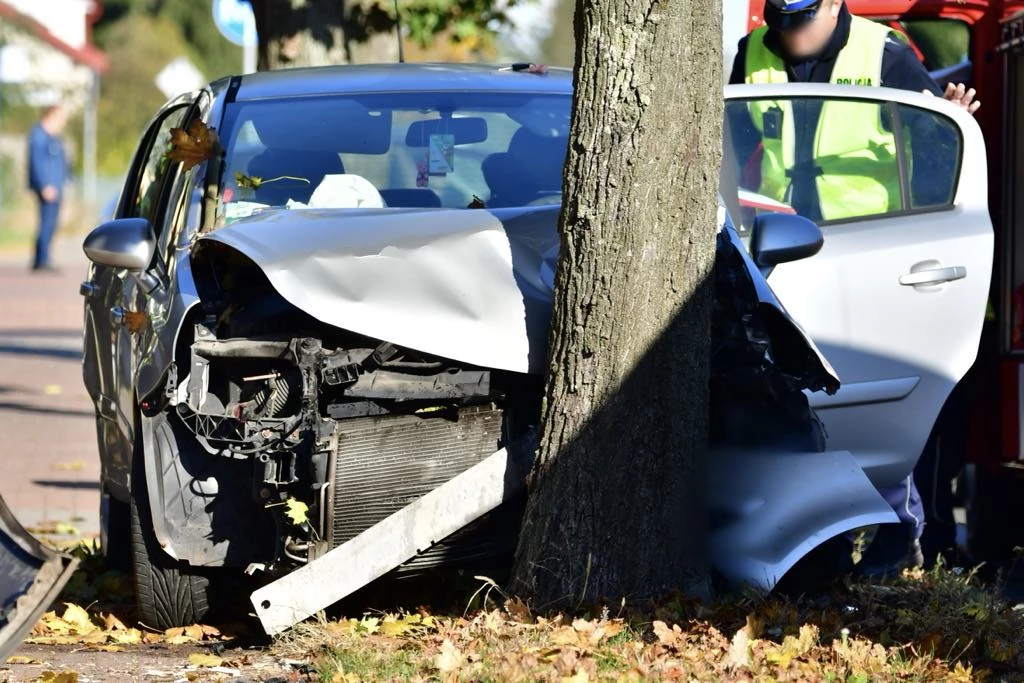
(769, 509)
(31, 577)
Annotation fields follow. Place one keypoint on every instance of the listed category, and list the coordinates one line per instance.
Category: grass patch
(374, 661)
(922, 626)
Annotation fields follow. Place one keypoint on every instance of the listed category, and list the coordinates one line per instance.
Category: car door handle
(935, 276)
(87, 289)
(117, 315)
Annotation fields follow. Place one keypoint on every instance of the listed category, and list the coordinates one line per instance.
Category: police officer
(820, 41)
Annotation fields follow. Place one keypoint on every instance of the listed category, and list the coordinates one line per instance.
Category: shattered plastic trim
(31, 577)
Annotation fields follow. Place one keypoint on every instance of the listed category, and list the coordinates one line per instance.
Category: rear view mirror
(127, 243)
(780, 238)
(466, 130)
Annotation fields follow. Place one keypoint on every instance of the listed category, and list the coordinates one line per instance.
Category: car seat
(308, 165)
(529, 170)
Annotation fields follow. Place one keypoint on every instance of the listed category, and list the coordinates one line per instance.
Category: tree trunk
(614, 508)
(299, 33)
(296, 33)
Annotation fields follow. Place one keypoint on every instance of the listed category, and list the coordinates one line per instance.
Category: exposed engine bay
(281, 437)
(337, 430)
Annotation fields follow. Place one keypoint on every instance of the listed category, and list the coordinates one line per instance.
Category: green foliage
(466, 20)
(429, 23)
(115, 9)
(9, 186)
(18, 116)
(142, 37)
(559, 48)
(944, 42)
(213, 54)
(139, 46)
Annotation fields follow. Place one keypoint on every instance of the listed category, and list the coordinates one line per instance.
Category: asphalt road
(49, 469)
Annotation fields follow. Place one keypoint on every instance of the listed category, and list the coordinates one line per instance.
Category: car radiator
(383, 463)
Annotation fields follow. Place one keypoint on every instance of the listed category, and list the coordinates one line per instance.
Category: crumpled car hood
(469, 285)
(472, 285)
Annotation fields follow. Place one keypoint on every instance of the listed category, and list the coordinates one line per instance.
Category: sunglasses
(781, 20)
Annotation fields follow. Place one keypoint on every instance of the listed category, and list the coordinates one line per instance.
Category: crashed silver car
(315, 342)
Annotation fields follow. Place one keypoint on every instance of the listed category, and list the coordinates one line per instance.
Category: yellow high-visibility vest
(857, 172)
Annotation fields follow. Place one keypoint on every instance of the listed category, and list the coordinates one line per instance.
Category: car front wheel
(169, 592)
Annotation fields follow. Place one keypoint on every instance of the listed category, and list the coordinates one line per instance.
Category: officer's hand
(961, 96)
(49, 193)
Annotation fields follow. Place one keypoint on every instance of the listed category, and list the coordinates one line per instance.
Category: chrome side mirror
(127, 243)
(780, 238)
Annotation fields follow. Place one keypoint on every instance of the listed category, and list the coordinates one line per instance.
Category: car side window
(181, 212)
(834, 160)
(154, 170)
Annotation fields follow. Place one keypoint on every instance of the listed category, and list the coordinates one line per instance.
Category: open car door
(896, 298)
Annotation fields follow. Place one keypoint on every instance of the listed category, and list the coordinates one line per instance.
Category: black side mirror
(127, 243)
(780, 238)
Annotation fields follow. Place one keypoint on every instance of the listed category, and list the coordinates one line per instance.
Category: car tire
(169, 593)
(115, 533)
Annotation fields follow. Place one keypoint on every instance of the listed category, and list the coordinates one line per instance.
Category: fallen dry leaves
(74, 465)
(193, 146)
(58, 677)
(497, 646)
(938, 625)
(75, 626)
(855, 634)
(203, 659)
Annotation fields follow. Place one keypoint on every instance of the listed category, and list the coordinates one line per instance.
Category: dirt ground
(152, 663)
(49, 469)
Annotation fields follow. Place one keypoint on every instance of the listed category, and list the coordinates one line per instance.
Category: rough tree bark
(614, 508)
(296, 33)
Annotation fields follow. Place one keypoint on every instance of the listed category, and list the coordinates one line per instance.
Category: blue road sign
(235, 21)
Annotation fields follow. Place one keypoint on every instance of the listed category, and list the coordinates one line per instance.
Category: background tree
(614, 505)
(139, 46)
(203, 43)
(141, 37)
(559, 47)
(317, 32)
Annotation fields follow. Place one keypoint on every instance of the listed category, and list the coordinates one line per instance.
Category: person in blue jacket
(47, 174)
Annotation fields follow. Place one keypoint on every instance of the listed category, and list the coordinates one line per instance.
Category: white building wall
(65, 19)
(734, 27)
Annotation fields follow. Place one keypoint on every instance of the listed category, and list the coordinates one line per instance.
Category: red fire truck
(981, 43)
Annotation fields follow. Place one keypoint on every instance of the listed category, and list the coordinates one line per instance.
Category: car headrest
(532, 164)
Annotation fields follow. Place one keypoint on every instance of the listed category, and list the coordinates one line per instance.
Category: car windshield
(423, 149)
